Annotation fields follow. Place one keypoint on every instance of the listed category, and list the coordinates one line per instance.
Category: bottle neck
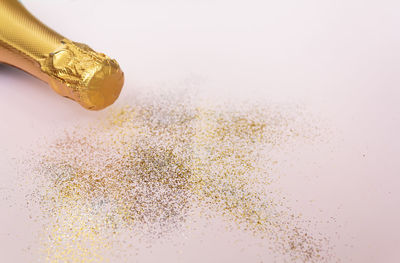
(21, 31)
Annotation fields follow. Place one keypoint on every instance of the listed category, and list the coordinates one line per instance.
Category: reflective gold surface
(72, 69)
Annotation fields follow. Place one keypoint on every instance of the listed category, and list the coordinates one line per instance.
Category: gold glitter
(146, 167)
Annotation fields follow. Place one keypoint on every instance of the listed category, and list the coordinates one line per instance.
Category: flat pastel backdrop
(341, 59)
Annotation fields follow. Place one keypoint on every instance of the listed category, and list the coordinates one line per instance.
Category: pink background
(341, 59)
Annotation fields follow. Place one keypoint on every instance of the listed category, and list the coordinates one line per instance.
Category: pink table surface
(340, 59)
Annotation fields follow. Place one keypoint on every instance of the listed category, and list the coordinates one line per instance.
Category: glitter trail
(143, 169)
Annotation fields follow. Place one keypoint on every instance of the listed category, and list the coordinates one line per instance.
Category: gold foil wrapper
(72, 69)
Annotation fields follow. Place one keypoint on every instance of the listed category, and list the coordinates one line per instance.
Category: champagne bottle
(72, 69)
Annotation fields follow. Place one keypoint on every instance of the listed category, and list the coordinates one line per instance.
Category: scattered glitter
(145, 169)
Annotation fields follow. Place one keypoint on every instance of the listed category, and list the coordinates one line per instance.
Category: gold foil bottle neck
(83, 74)
(72, 69)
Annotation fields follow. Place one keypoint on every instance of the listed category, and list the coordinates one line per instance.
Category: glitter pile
(145, 168)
